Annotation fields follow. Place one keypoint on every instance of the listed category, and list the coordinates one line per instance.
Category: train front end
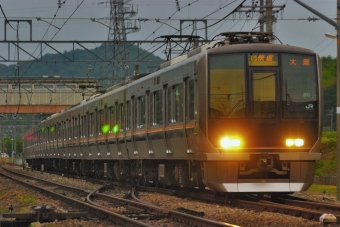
(259, 119)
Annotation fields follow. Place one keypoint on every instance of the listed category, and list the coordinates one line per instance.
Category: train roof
(259, 47)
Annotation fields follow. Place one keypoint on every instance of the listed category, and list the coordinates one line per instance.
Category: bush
(327, 165)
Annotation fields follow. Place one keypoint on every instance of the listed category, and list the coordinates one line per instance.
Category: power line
(3, 13)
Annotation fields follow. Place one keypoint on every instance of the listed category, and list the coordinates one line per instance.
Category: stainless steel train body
(233, 118)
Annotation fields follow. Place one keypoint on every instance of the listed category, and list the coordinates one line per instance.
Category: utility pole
(266, 11)
(338, 99)
(269, 16)
(119, 11)
(261, 16)
(337, 27)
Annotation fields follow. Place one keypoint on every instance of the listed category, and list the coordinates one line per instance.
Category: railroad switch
(40, 214)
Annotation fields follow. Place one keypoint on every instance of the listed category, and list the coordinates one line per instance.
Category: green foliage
(328, 71)
(27, 200)
(328, 163)
(330, 189)
(329, 86)
(7, 146)
(18, 147)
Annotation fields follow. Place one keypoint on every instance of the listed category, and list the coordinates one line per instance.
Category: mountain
(59, 65)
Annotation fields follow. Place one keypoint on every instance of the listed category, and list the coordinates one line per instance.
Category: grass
(318, 188)
(2, 193)
(27, 199)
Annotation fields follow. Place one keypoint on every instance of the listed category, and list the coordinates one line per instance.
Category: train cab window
(264, 94)
(227, 95)
(299, 86)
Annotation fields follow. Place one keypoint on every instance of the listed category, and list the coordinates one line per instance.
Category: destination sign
(263, 59)
(298, 61)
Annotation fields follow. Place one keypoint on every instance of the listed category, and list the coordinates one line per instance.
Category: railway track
(113, 217)
(148, 210)
(288, 205)
(137, 211)
(140, 210)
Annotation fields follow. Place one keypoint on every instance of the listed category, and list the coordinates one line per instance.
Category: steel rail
(95, 210)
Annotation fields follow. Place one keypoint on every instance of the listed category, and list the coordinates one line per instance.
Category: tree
(18, 147)
(329, 87)
(7, 145)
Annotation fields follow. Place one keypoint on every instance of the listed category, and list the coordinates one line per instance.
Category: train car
(236, 115)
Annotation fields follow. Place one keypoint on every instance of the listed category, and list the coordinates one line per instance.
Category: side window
(112, 117)
(102, 118)
(157, 108)
(71, 136)
(66, 130)
(120, 116)
(128, 115)
(169, 105)
(71, 122)
(178, 102)
(151, 109)
(141, 111)
(136, 112)
(76, 128)
(107, 115)
(191, 100)
(92, 123)
(86, 126)
(81, 132)
(118, 123)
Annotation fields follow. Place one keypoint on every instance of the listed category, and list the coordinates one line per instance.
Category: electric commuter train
(236, 115)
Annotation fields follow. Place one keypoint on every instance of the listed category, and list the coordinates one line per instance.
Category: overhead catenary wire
(178, 9)
(51, 39)
(60, 27)
(3, 13)
(158, 45)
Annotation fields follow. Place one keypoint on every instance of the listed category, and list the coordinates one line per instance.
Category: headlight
(289, 142)
(299, 142)
(294, 142)
(230, 142)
